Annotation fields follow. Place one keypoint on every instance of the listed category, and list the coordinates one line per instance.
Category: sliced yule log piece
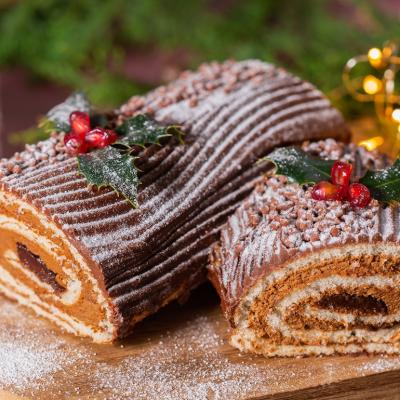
(89, 261)
(299, 276)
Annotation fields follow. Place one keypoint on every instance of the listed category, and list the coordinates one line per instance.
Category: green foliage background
(74, 43)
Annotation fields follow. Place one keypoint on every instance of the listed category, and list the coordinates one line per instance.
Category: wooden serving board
(180, 353)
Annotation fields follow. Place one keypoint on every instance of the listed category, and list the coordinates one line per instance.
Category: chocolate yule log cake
(85, 257)
(308, 269)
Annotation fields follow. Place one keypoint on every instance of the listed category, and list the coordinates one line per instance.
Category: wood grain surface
(181, 353)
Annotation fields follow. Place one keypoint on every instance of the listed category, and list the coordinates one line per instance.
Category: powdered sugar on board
(181, 353)
(185, 364)
(31, 353)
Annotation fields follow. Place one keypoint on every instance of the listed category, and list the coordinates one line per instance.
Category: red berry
(359, 195)
(74, 144)
(80, 122)
(111, 136)
(99, 138)
(342, 192)
(96, 138)
(325, 190)
(341, 173)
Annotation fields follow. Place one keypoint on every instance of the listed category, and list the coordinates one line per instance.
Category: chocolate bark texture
(302, 277)
(101, 265)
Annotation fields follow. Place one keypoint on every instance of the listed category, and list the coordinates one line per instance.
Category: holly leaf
(141, 130)
(114, 166)
(57, 119)
(299, 166)
(111, 168)
(384, 184)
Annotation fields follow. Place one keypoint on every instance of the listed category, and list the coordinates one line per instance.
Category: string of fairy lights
(378, 85)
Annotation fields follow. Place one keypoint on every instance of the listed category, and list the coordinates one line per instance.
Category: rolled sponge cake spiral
(91, 263)
(303, 277)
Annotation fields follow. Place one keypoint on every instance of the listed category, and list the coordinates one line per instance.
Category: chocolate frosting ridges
(233, 114)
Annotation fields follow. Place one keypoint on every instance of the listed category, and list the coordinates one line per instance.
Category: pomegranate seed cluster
(59, 146)
(342, 173)
(82, 138)
(340, 187)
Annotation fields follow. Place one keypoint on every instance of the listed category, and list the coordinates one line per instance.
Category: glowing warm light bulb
(373, 143)
(375, 57)
(374, 54)
(396, 115)
(371, 84)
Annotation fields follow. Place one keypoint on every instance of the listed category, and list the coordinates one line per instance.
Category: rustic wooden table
(181, 353)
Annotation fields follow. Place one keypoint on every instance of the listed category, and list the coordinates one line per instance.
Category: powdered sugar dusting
(383, 364)
(23, 365)
(30, 353)
(179, 354)
(183, 365)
